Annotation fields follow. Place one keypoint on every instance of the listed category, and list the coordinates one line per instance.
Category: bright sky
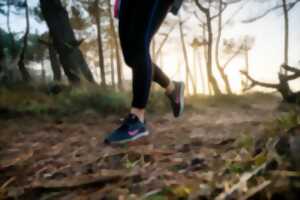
(265, 57)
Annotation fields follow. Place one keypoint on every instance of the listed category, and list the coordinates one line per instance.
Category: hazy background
(265, 57)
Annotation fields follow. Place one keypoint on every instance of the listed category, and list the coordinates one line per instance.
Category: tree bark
(100, 43)
(286, 33)
(188, 71)
(246, 52)
(211, 78)
(195, 67)
(8, 16)
(112, 66)
(2, 61)
(219, 66)
(204, 49)
(117, 49)
(43, 71)
(24, 73)
(65, 42)
(55, 65)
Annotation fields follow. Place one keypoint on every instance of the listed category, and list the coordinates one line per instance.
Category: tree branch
(258, 83)
(232, 57)
(165, 39)
(290, 69)
(289, 5)
(295, 71)
(202, 8)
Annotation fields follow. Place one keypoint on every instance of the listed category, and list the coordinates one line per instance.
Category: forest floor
(201, 154)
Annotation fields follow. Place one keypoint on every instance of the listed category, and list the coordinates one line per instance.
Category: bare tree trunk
(25, 74)
(55, 65)
(100, 44)
(201, 73)
(204, 48)
(220, 68)
(8, 16)
(2, 62)
(43, 71)
(286, 33)
(195, 67)
(188, 71)
(112, 66)
(65, 42)
(247, 65)
(211, 78)
(117, 49)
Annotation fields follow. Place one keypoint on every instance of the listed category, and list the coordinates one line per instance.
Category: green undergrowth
(39, 100)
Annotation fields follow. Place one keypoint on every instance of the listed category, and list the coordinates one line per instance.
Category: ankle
(170, 88)
(140, 113)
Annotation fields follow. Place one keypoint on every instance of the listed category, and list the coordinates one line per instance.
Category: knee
(136, 58)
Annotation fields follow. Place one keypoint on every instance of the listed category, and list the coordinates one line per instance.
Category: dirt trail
(65, 158)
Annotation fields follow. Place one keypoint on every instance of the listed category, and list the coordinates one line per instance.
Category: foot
(131, 130)
(177, 98)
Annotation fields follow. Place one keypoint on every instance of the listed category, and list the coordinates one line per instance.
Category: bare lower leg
(140, 113)
(170, 88)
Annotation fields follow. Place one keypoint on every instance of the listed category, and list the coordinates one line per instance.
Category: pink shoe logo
(133, 133)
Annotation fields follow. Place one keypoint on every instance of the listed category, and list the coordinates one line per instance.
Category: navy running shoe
(130, 130)
(177, 98)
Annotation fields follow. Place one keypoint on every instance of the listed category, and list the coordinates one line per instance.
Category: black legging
(138, 22)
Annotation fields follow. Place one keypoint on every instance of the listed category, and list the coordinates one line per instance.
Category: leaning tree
(287, 73)
(64, 41)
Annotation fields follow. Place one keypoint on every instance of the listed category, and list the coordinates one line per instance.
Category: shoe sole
(139, 136)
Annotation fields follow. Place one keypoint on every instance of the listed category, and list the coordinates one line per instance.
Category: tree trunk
(8, 2)
(112, 66)
(2, 61)
(201, 71)
(55, 65)
(24, 73)
(247, 66)
(286, 33)
(195, 67)
(117, 49)
(220, 68)
(212, 81)
(65, 42)
(211, 78)
(204, 53)
(43, 71)
(188, 71)
(100, 44)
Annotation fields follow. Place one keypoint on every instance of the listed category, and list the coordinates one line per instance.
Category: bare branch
(258, 83)
(295, 71)
(202, 8)
(166, 38)
(202, 23)
(237, 11)
(220, 12)
(232, 57)
(291, 69)
(277, 7)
